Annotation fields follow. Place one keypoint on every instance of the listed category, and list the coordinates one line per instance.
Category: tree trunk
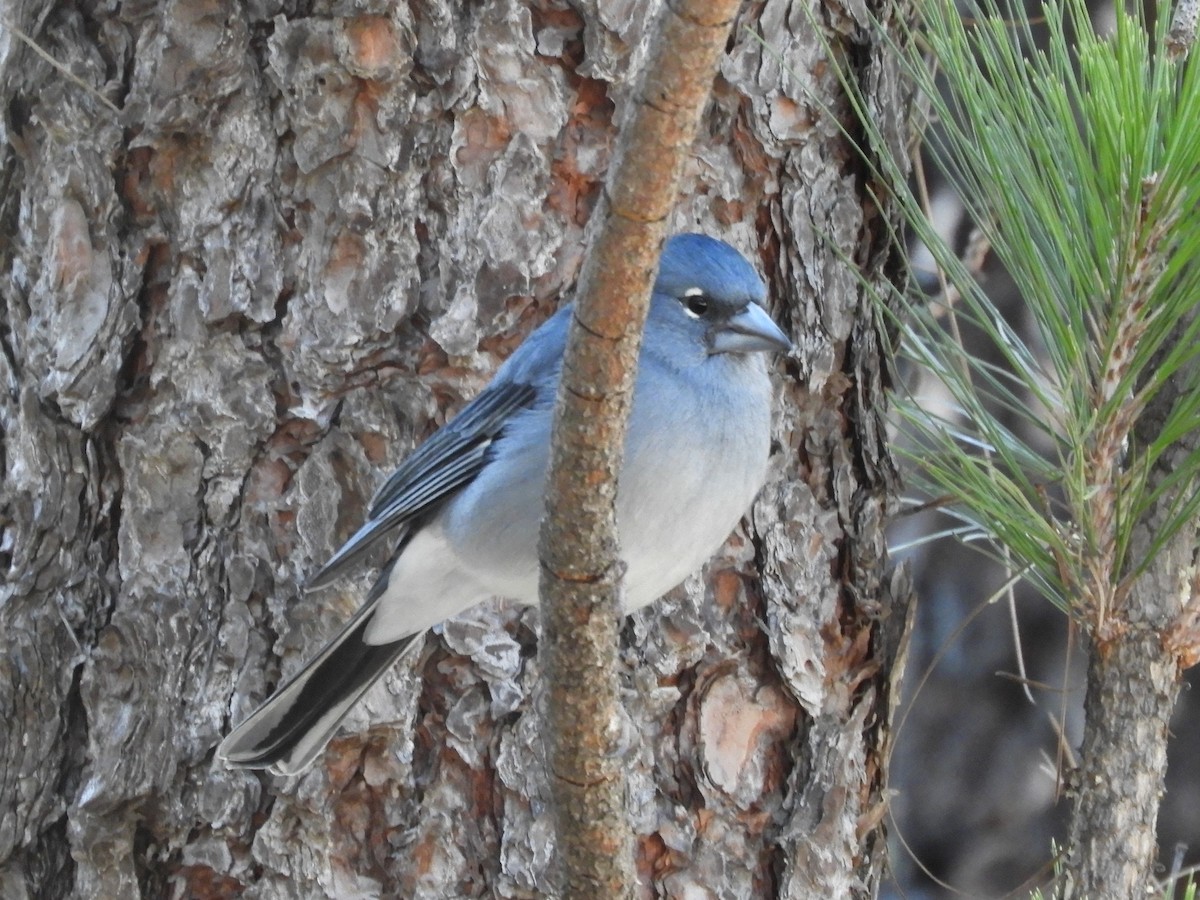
(230, 309)
(1135, 673)
(1132, 686)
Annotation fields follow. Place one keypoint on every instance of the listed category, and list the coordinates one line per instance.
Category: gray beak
(749, 331)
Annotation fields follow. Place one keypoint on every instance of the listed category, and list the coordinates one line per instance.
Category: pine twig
(580, 578)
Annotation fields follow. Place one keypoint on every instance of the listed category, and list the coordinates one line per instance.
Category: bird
(464, 509)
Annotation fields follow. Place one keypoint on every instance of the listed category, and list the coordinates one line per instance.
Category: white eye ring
(695, 304)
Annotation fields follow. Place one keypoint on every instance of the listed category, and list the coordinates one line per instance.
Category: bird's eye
(696, 304)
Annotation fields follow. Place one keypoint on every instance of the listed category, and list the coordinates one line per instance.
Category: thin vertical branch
(580, 581)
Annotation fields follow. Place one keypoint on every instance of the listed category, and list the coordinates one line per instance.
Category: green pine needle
(1079, 160)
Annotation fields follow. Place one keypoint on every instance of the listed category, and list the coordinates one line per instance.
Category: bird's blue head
(710, 294)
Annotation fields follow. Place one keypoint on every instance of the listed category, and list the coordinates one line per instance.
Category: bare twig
(580, 571)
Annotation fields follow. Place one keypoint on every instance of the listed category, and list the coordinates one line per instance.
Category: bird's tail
(287, 732)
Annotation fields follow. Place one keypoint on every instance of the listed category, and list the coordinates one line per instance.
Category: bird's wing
(447, 461)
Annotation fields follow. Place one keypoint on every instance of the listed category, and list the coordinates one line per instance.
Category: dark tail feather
(287, 732)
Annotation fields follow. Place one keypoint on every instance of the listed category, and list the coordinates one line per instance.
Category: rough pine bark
(309, 233)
